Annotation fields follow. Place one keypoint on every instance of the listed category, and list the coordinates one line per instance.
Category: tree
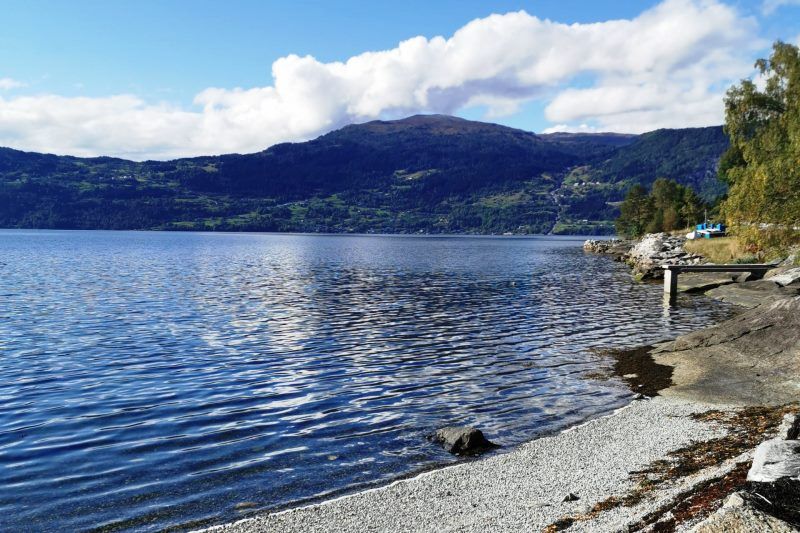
(667, 202)
(668, 207)
(636, 212)
(762, 165)
(692, 208)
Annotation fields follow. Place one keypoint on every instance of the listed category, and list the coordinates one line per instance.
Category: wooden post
(671, 282)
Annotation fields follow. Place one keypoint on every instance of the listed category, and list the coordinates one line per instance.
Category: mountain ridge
(424, 173)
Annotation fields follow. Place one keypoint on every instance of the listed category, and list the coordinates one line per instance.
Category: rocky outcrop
(750, 359)
(752, 293)
(648, 255)
(462, 440)
(614, 247)
(656, 250)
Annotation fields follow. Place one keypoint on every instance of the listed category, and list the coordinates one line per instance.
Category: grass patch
(719, 250)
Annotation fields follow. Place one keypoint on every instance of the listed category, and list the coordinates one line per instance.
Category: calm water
(155, 380)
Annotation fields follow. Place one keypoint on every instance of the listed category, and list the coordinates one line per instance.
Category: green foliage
(689, 156)
(763, 163)
(427, 174)
(668, 207)
(636, 212)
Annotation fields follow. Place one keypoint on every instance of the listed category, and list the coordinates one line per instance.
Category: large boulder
(642, 257)
(775, 459)
(462, 440)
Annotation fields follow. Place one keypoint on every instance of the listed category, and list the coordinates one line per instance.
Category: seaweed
(745, 428)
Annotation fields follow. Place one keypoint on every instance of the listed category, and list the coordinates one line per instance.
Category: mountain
(425, 173)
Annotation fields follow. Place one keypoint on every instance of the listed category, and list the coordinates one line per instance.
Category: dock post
(671, 282)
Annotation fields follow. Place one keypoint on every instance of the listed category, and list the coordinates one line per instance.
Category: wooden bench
(671, 273)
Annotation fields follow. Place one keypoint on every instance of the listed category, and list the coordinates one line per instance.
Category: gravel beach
(522, 490)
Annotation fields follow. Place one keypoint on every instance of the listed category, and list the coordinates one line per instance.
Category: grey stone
(790, 427)
(703, 281)
(750, 294)
(242, 506)
(787, 277)
(775, 459)
(462, 440)
(737, 499)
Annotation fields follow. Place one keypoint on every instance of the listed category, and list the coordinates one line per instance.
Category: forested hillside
(427, 173)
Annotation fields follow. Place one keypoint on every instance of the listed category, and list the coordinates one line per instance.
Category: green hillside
(427, 173)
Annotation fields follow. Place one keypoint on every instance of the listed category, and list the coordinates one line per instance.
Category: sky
(160, 79)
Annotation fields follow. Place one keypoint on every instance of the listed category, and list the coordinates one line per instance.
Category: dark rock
(780, 498)
(462, 440)
(571, 497)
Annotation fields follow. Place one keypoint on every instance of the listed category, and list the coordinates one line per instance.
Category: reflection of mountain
(424, 173)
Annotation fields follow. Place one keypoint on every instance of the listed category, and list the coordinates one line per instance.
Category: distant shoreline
(329, 234)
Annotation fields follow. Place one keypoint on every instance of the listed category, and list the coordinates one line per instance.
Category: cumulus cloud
(668, 67)
(10, 83)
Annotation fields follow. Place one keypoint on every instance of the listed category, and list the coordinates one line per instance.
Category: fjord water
(156, 380)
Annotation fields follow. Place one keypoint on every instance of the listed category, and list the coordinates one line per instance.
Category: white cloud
(10, 83)
(667, 67)
(571, 128)
(770, 6)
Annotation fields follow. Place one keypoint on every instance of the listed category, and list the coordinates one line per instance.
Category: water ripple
(152, 381)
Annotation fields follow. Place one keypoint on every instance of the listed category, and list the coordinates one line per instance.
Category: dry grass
(720, 250)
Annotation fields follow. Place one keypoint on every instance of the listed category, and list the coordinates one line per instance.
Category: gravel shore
(522, 490)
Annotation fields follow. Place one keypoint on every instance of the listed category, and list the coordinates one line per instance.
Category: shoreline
(592, 460)
(610, 451)
(303, 517)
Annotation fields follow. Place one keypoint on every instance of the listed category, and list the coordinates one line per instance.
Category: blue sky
(67, 69)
